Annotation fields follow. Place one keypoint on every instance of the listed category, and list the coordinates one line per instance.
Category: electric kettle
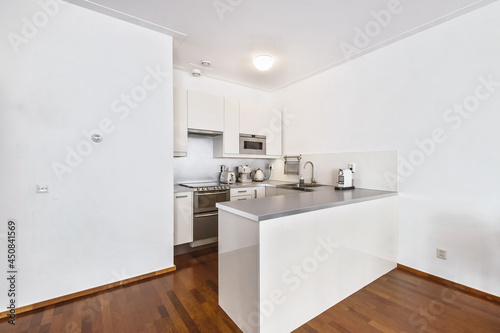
(258, 175)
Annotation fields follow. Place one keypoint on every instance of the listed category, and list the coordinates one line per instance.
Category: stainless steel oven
(205, 214)
(252, 144)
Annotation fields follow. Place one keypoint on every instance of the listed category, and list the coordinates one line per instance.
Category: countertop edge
(259, 218)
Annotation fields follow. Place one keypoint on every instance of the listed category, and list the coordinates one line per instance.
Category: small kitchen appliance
(227, 177)
(244, 174)
(258, 175)
(344, 180)
(252, 144)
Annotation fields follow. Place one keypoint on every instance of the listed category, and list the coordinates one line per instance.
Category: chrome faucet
(312, 175)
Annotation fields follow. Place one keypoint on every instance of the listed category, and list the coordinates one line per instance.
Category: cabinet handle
(255, 197)
(243, 191)
(242, 199)
(181, 196)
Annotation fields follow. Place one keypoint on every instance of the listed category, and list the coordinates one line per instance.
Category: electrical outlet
(441, 254)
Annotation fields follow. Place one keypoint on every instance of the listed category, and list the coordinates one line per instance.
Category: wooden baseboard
(87, 292)
(452, 284)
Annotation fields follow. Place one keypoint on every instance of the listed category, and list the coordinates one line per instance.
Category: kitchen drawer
(242, 197)
(241, 191)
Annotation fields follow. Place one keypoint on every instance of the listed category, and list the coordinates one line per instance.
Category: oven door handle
(211, 193)
(206, 215)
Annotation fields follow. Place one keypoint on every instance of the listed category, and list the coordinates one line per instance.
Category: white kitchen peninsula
(284, 260)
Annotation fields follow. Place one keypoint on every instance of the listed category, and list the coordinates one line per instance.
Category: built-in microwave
(252, 144)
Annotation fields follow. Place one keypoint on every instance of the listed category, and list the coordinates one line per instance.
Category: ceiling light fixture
(263, 62)
(206, 63)
(196, 72)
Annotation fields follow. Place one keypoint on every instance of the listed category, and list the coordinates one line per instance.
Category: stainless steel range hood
(203, 132)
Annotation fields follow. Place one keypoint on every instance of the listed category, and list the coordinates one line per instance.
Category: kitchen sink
(302, 187)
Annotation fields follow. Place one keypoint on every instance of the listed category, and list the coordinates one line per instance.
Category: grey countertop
(180, 188)
(284, 205)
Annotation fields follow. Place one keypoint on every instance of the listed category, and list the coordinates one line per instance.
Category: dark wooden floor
(186, 301)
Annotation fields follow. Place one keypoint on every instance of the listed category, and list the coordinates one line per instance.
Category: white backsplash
(200, 165)
(372, 168)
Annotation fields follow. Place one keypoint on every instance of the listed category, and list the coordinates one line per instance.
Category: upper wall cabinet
(205, 112)
(180, 122)
(231, 135)
(253, 118)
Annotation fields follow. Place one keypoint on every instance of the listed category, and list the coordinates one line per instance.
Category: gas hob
(206, 186)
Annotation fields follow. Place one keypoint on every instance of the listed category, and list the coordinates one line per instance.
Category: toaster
(227, 177)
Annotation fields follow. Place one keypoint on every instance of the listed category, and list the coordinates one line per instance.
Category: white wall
(399, 95)
(110, 218)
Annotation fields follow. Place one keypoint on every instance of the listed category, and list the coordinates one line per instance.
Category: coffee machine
(244, 174)
(344, 180)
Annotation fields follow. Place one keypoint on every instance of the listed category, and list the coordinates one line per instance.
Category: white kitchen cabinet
(183, 217)
(205, 111)
(271, 191)
(247, 193)
(242, 197)
(262, 120)
(231, 126)
(286, 191)
(180, 122)
(253, 118)
(259, 192)
(227, 145)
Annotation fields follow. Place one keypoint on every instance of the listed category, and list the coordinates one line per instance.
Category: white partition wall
(277, 274)
(69, 73)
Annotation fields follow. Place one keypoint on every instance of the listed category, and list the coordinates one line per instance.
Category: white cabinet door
(286, 191)
(253, 118)
(259, 192)
(271, 191)
(274, 134)
(183, 217)
(231, 135)
(205, 112)
(180, 122)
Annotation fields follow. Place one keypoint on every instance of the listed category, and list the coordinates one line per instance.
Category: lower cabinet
(285, 191)
(183, 217)
(247, 193)
(271, 191)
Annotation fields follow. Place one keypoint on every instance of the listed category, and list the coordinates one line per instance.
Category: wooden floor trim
(87, 292)
(449, 283)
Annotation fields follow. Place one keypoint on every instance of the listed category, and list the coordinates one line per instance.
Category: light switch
(42, 189)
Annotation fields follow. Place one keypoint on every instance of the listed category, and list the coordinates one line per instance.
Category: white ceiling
(305, 36)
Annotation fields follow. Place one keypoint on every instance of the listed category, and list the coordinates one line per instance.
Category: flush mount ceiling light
(263, 62)
(196, 72)
(206, 63)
